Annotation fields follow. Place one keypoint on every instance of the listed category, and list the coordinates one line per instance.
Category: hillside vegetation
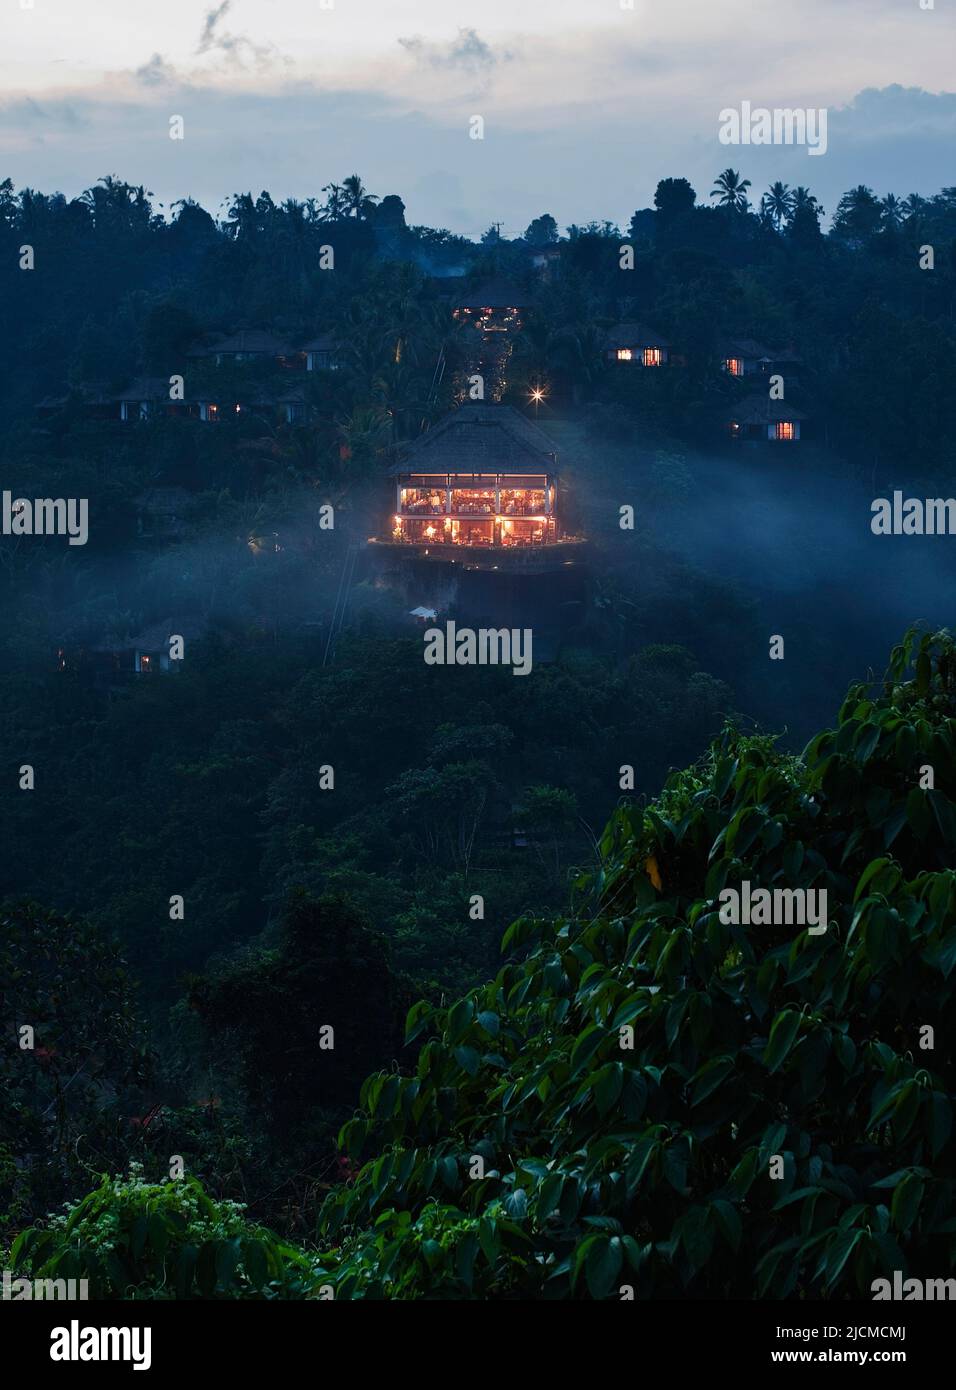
(528, 1154)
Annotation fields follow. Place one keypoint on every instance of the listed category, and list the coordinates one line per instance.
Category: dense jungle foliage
(603, 1118)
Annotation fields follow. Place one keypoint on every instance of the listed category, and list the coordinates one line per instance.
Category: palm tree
(891, 210)
(777, 203)
(802, 198)
(914, 205)
(731, 190)
(364, 433)
(358, 200)
(241, 219)
(858, 213)
(335, 202)
(117, 203)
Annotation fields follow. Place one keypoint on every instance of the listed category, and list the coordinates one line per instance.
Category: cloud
(895, 110)
(208, 38)
(53, 112)
(468, 51)
(156, 73)
(236, 49)
(246, 132)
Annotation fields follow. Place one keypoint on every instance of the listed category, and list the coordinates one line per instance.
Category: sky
(586, 104)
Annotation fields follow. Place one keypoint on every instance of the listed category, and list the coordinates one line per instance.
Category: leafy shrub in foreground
(137, 1240)
(650, 1167)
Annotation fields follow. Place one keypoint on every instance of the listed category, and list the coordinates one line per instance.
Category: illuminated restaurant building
(483, 480)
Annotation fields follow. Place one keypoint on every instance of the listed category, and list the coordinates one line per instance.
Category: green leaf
(255, 1263)
(516, 1204)
(549, 1194)
(459, 1018)
(468, 1059)
(157, 1233)
(418, 1016)
(185, 1269)
(585, 1046)
(675, 1168)
(783, 1034)
(839, 1252)
(906, 1200)
(489, 1240)
(945, 816)
(709, 1078)
(138, 1235)
(728, 1218)
(206, 1268)
(227, 1259)
(870, 872)
(607, 1086)
(641, 1156)
(603, 1265)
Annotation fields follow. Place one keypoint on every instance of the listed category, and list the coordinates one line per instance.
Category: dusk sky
(586, 105)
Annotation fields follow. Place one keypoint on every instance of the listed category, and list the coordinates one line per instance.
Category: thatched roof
(246, 340)
(145, 388)
(479, 439)
(322, 342)
(155, 637)
(759, 409)
(751, 348)
(633, 335)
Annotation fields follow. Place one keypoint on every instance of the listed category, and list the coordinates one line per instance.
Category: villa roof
(750, 347)
(90, 393)
(759, 409)
(144, 388)
(157, 635)
(322, 342)
(252, 340)
(479, 439)
(631, 335)
(152, 638)
(744, 347)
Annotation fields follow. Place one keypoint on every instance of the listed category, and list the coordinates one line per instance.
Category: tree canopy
(607, 1111)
